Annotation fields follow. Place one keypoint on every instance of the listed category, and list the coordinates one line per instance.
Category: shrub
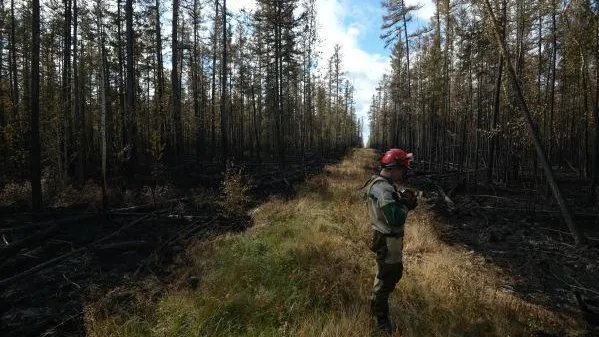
(235, 191)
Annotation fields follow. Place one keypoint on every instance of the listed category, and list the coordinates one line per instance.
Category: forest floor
(524, 235)
(486, 263)
(54, 262)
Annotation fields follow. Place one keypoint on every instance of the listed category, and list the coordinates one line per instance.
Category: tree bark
(14, 88)
(122, 113)
(3, 150)
(213, 92)
(410, 142)
(79, 119)
(552, 84)
(240, 138)
(177, 119)
(159, 106)
(255, 123)
(36, 186)
(223, 90)
(103, 88)
(131, 126)
(197, 102)
(593, 188)
(66, 91)
(576, 233)
(496, 101)
(279, 86)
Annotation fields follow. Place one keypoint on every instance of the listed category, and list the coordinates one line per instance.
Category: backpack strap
(373, 180)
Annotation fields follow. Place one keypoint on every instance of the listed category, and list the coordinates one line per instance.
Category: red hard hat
(396, 157)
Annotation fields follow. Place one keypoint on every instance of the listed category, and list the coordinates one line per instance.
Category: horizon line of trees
(450, 100)
(113, 103)
(507, 88)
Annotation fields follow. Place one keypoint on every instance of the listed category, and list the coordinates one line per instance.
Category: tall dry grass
(304, 269)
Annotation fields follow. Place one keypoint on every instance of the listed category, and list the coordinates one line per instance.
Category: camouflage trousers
(389, 264)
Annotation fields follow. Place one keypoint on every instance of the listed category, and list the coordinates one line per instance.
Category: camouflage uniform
(387, 216)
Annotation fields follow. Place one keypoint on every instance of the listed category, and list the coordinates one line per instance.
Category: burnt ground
(525, 235)
(54, 263)
(133, 250)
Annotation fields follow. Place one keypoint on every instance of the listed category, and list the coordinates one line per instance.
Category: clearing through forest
(304, 269)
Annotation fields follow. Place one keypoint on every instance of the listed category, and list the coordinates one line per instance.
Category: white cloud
(236, 5)
(364, 69)
(353, 31)
(427, 10)
(344, 22)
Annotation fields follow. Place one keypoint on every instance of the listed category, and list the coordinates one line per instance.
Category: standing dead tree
(542, 156)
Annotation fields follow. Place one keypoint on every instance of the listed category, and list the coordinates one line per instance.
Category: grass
(304, 269)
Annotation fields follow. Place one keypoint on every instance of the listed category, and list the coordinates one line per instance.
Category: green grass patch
(265, 281)
(304, 269)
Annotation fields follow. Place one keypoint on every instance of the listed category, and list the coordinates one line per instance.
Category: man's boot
(379, 308)
(384, 324)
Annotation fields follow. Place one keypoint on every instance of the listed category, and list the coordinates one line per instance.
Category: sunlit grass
(304, 269)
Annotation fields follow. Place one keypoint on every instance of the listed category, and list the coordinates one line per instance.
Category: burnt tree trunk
(36, 185)
(131, 155)
(496, 102)
(565, 210)
(14, 87)
(178, 122)
(593, 189)
(3, 149)
(213, 91)
(79, 118)
(159, 106)
(66, 91)
(223, 90)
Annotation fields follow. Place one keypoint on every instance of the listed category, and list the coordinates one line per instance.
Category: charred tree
(564, 208)
(36, 185)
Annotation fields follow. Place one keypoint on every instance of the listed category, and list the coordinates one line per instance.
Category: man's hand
(409, 198)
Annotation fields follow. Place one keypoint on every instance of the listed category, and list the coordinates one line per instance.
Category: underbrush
(235, 191)
(58, 195)
(304, 269)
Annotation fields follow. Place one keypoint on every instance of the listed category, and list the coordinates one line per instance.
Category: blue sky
(355, 25)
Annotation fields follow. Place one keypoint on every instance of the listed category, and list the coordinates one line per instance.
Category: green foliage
(156, 145)
(304, 269)
(235, 190)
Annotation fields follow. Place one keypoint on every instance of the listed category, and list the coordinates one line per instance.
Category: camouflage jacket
(386, 214)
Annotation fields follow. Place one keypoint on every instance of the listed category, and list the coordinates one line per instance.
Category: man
(388, 209)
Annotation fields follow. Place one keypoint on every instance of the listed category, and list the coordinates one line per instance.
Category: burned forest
(138, 136)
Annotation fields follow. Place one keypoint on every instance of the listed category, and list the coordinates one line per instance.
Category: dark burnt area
(125, 256)
(523, 232)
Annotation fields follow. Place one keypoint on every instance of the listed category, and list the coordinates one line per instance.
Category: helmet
(396, 157)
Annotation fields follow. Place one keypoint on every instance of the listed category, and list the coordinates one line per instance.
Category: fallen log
(59, 222)
(445, 200)
(23, 227)
(36, 268)
(187, 231)
(52, 226)
(123, 227)
(180, 235)
(187, 217)
(147, 207)
(28, 240)
(29, 258)
(580, 215)
(124, 245)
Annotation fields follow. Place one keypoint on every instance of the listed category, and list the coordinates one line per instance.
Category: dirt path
(304, 269)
